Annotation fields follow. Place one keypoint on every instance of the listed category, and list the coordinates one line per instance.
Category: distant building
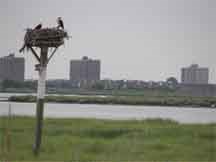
(12, 68)
(84, 72)
(194, 75)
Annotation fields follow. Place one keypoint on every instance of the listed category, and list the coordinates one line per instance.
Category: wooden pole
(40, 98)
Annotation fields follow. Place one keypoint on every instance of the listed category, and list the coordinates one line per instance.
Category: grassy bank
(101, 140)
(126, 100)
(114, 92)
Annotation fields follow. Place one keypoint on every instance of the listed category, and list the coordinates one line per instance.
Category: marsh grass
(103, 140)
(126, 100)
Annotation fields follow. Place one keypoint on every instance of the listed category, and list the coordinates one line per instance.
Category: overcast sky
(134, 39)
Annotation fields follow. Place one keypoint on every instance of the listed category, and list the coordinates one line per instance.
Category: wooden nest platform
(47, 37)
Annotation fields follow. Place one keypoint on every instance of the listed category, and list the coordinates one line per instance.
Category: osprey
(39, 26)
(60, 23)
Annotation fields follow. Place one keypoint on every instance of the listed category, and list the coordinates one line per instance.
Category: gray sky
(134, 39)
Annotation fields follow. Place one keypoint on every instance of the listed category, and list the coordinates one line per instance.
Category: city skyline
(137, 40)
(88, 69)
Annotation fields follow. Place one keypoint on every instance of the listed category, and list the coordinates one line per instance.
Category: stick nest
(49, 37)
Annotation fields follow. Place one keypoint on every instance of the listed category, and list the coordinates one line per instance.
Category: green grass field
(103, 140)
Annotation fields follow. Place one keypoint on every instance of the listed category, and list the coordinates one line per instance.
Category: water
(115, 112)
(5, 96)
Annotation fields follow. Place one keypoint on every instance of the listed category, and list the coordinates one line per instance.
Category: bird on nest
(60, 23)
(39, 26)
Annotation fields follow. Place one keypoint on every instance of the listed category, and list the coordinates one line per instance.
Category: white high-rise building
(85, 71)
(12, 68)
(194, 75)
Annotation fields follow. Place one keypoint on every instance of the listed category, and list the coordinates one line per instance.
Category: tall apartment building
(84, 72)
(194, 75)
(12, 68)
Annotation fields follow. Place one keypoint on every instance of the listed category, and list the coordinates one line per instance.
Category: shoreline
(192, 102)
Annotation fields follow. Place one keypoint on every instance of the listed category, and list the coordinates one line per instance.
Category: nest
(47, 37)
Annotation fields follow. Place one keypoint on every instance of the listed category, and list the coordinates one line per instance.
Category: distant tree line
(171, 83)
(5, 84)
